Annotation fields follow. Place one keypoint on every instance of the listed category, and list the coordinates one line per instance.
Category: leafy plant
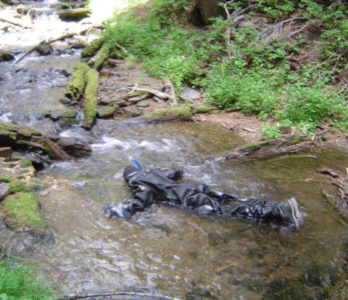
(246, 67)
(19, 283)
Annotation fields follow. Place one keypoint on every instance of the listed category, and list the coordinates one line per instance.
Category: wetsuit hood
(129, 172)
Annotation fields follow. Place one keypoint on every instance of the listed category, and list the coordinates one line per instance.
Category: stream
(164, 250)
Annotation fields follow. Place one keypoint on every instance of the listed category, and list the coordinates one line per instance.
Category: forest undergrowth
(284, 61)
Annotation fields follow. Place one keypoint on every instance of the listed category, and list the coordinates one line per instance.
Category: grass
(17, 282)
(241, 66)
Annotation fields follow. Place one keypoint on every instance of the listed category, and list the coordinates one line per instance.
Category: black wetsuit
(160, 186)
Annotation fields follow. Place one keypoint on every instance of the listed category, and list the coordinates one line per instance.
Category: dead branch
(61, 38)
(172, 91)
(117, 294)
(58, 151)
(32, 49)
(272, 29)
(13, 23)
(120, 47)
(218, 271)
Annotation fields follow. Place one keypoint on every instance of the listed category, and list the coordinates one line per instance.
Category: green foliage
(20, 283)
(241, 66)
(270, 131)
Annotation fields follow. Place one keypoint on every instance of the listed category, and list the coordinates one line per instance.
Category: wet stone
(65, 100)
(6, 56)
(105, 112)
(65, 73)
(199, 293)
(44, 49)
(191, 94)
(143, 104)
(5, 152)
(4, 190)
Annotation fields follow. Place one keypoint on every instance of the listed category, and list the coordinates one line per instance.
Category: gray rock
(44, 49)
(56, 115)
(4, 190)
(5, 152)
(190, 94)
(65, 100)
(105, 112)
(143, 104)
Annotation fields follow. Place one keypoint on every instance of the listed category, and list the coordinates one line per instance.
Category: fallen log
(269, 148)
(90, 101)
(24, 138)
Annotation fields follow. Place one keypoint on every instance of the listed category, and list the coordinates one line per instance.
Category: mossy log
(21, 212)
(90, 101)
(23, 138)
(92, 48)
(76, 86)
(103, 54)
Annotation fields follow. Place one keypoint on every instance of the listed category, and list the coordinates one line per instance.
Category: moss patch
(177, 113)
(90, 105)
(22, 212)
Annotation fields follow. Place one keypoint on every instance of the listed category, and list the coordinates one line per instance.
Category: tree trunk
(210, 9)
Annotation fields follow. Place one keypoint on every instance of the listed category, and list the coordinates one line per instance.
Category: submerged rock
(6, 56)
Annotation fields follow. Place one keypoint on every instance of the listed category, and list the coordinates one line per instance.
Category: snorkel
(137, 164)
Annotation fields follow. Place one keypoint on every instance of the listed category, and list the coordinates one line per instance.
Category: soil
(119, 79)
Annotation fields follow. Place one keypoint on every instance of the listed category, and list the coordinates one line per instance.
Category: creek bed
(166, 250)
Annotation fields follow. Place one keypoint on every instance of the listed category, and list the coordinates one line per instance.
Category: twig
(172, 91)
(122, 48)
(32, 49)
(218, 271)
(61, 38)
(298, 31)
(13, 23)
(69, 297)
(248, 129)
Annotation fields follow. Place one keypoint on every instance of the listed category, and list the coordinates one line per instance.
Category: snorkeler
(161, 186)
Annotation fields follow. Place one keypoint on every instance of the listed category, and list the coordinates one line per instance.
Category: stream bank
(166, 251)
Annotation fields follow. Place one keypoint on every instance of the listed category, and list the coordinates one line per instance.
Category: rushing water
(165, 250)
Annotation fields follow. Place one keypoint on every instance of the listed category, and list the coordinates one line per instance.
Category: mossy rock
(92, 48)
(5, 55)
(183, 113)
(105, 112)
(21, 212)
(90, 104)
